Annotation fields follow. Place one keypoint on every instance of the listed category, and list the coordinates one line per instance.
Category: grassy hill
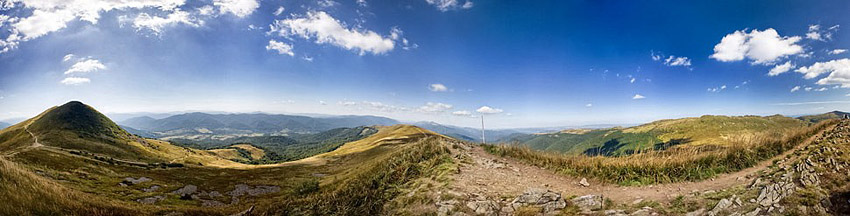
(64, 177)
(705, 130)
(825, 116)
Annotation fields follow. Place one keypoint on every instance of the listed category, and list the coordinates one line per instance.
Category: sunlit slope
(705, 130)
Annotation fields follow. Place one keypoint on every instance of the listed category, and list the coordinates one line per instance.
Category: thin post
(483, 138)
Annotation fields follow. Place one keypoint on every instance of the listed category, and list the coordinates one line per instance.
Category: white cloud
(839, 72)
(85, 66)
(467, 5)
(779, 69)
(760, 47)
(677, 61)
(432, 107)
(327, 30)
(239, 8)
(717, 89)
(75, 81)
(67, 57)
(588, 105)
(323, 103)
(796, 88)
(821, 89)
(279, 11)
(489, 110)
(157, 24)
(837, 51)
(638, 96)
(632, 80)
(51, 16)
(327, 3)
(671, 60)
(462, 113)
(362, 3)
(446, 5)
(280, 47)
(307, 58)
(437, 87)
(206, 10)
(815, 33)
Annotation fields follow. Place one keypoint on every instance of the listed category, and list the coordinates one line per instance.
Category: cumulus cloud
(837, 51)
(239, 8)
(839, 72)
(437, 87)
(588, 105)
(760, 47)
(796, 88)
(489, 110)
(51, 16)
(157, 24)
(85, 66)
(432, 107)
(75, 81)
(325, 29)
(779, 69)
(638, 97)
(447, 5)
(281, 47)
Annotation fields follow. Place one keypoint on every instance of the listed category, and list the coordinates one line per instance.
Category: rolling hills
(658, 135)
(84, 164)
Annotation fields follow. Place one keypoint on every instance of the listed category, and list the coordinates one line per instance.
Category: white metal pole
(483, 139)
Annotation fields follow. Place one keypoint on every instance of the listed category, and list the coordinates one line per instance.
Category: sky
(517, 63)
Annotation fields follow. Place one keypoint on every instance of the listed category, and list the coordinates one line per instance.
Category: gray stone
(485, 207)
(186, 190)
(150, 200)
(588, 203)
(722, 205)
(584, 182)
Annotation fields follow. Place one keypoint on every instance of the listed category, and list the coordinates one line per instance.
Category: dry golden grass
(25, 193)
(256, 153)
(683, 163)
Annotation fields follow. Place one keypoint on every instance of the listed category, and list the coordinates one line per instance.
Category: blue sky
(531, 63)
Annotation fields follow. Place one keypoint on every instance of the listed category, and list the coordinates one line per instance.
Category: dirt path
(35, 143)
(493, 177)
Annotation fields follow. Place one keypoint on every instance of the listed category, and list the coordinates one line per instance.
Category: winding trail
(35, 143)
(493, 177)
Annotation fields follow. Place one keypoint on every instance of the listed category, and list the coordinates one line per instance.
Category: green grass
(705, 130)
(674, 165)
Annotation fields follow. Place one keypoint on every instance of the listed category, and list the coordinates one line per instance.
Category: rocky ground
(810, 180)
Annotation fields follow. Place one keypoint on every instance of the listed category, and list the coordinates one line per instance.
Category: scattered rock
(698, 212)
(151, 189)
(185, 191)
(131, 181)
(615, 212)
(484, 207)
(150, 200)
(550, 201)
(588, 203)
(645, 211)
(722, 205)
(244, 213)
(754, 212)
(584, 183)
(444, 207)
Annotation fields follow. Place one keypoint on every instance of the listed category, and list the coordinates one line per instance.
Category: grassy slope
(705, 130)
(674, 165)
(353, 168)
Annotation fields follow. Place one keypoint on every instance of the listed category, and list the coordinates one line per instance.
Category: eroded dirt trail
(494, 177)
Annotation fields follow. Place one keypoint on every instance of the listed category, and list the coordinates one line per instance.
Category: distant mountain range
(4, 125)
(820, 117)
(267, 124)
